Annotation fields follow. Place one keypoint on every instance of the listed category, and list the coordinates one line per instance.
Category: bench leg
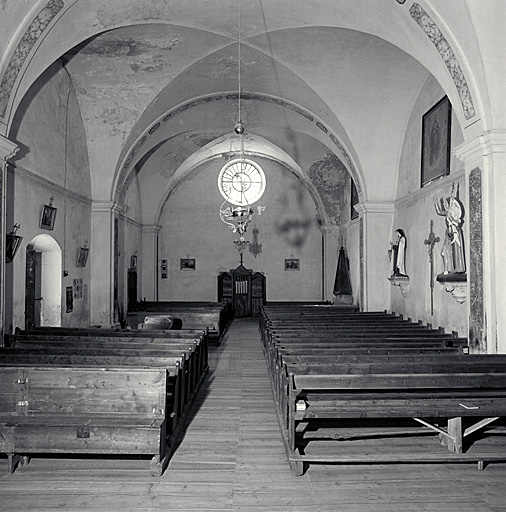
(157, 466)
(298, 467)
(453, 441)
(14, 460)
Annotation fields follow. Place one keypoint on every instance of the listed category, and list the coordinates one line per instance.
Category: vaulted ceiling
(164, 76)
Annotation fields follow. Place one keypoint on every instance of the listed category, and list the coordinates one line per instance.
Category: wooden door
(132, 289)
(33, 289)
(242, 295)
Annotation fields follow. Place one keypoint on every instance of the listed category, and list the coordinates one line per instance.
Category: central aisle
(233, 445)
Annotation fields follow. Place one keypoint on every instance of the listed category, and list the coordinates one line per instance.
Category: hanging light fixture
(241, 181)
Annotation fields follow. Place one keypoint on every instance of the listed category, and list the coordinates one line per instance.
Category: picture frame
(187, 264)
(69, 299)
(82, 257)
(48, 217)
(292, 264)
(436, 141)
(12, 243)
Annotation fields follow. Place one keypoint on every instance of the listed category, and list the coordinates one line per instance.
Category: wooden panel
(397, 381)
(79, 390)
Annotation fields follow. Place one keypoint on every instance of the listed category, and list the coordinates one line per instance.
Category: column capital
(106, 207)
(331, 229)
(151, 228)
(8, 149)
(488, 143)
(375, 207)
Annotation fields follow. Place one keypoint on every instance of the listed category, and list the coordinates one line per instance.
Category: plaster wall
(191, 228)
(414, 213)
(49, 129)
(52, 162)
(71, 229)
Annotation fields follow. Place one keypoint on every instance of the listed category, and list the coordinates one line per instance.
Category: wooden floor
(232, 458)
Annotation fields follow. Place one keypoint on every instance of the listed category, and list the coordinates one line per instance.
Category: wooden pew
(212, 316)
(178, 396)
(333, 371)
(84, 410)
(192, 355)
(426, 393)
(196, 344)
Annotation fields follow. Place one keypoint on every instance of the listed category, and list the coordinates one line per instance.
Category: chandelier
(241, 181)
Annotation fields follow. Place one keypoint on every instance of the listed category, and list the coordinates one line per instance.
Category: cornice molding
(431, 189)
(30, 176)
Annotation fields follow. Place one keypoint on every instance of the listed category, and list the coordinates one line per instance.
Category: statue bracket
(454, 283)
(402, 282)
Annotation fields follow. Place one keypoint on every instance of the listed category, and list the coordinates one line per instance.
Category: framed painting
(69, 299)
(187, 264)
(48, 217)
(82, 257)
(292, 264)
(436, 141)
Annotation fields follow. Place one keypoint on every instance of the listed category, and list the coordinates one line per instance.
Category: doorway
(43, 285)
(132, 288)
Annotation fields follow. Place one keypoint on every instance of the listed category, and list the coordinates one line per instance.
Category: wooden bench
(193, 356)
(178, 396)
(197, 345)
(84, 410)
(339, 376)
(438, 396)
(212, 316)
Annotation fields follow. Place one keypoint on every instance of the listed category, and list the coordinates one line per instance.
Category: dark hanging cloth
(342, 284)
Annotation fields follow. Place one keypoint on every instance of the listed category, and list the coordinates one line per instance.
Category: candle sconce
(12, 243)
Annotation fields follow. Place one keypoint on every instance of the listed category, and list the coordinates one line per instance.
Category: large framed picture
(436, 141)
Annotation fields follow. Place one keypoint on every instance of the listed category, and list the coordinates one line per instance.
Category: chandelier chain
(239, 59)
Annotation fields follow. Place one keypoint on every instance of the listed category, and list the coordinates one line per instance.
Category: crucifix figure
(431, 242)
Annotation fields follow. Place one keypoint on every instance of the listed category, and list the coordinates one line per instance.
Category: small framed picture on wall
(436, 141)
(187, 264)
(48, 217)
(82, 257)
(292, 264)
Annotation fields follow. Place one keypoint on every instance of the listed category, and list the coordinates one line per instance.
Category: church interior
(272, 156)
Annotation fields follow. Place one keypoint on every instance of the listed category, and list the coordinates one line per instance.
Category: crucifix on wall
(431, 241)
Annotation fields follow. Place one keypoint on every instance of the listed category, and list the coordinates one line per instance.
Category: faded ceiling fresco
(332, 181)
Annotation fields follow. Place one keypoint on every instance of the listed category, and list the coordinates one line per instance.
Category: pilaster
(485, 161)
(7, 150)
(150, 263)
(103, 261)
(376, 220)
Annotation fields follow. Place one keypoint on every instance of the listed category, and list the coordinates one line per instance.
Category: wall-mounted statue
(398, 255)
(453, 245)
